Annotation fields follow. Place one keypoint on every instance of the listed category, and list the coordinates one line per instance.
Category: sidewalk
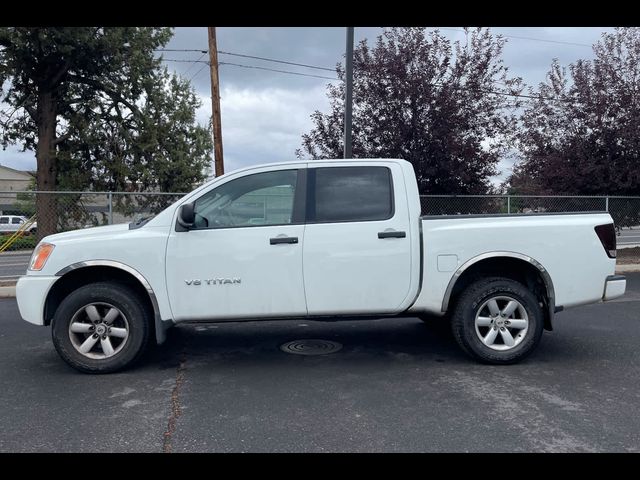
(17, 252)
(8, 292)
(627, 267)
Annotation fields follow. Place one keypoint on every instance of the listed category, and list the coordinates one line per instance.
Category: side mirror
(187, 216)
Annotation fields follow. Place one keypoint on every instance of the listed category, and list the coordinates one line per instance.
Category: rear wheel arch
(512, 265)
(77, 275)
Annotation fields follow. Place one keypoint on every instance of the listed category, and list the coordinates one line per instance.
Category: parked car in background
(12, 223)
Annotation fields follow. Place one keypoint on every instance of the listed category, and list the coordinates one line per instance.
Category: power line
(278, 61)
(274, 70)
(519, 95)
(560, 42)
(182, 50)
(196, 74)
(184, 61)
(494, 92)
(249, 66)
(286, 62)
(191, 66)
(255, 57)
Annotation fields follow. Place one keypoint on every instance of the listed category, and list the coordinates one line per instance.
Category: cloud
(262, 125)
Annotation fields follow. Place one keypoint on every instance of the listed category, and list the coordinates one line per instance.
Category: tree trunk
(46, 211)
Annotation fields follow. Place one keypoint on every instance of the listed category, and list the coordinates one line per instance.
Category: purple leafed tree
(444, 106)
(583, 135)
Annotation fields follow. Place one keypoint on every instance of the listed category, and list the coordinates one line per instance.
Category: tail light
(607, 235)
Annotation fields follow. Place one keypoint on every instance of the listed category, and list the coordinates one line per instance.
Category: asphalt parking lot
(396, 385)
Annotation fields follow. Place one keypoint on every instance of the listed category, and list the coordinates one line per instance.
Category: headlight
(40, 256)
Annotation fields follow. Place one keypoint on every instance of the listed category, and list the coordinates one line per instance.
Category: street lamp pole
(348, 101)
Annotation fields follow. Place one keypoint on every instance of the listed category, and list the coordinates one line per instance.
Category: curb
(7, 292)
(627, 268)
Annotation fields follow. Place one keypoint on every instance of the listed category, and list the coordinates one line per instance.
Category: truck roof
(315, 161)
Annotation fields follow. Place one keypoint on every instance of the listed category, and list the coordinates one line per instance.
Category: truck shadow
(371, 341)
(367, 342)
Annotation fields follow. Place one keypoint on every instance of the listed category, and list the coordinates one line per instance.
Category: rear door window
(351, 194)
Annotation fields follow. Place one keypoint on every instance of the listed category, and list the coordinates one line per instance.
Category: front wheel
(101, 328)
(497, 320)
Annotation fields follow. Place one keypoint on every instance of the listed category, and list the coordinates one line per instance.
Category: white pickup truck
(318, 239)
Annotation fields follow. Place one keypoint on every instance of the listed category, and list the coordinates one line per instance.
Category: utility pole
(215, 103)
(348, 101)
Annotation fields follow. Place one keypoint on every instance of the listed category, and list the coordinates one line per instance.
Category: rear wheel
(497, 320)
(101, 328)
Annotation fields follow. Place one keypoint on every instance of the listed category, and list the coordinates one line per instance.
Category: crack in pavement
(176, 409)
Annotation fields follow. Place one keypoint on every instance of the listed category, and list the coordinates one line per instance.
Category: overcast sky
(265, 113)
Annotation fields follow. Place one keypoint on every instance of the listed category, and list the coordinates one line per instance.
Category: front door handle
(278, 240)
(392, 234)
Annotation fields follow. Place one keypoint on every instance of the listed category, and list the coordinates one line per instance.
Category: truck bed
(563, 244)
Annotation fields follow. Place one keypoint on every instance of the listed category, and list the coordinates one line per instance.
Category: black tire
(473, 298)
(117, 295)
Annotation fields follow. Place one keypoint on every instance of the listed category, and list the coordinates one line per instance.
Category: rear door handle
(392, 234)
(278, 240)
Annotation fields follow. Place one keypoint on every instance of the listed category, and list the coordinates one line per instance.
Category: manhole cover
(311, 347)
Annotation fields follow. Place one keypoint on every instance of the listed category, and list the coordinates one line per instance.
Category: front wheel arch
(75, 278)
(101, 327)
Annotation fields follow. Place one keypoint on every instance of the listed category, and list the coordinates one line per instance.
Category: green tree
(420, 97)
(99, 111)
(162, 149)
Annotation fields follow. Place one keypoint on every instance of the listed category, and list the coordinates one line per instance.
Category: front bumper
(31, 293)
(614, 287)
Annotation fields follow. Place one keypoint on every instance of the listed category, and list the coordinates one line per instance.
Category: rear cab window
(350, 194)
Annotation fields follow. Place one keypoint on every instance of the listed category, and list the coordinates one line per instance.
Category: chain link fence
(508, 204)
(74, 210)
(625, 212)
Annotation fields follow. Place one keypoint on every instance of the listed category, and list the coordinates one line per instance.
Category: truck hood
(87, 233)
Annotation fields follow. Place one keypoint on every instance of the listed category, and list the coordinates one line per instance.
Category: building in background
(12, 180)
(18, 180)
